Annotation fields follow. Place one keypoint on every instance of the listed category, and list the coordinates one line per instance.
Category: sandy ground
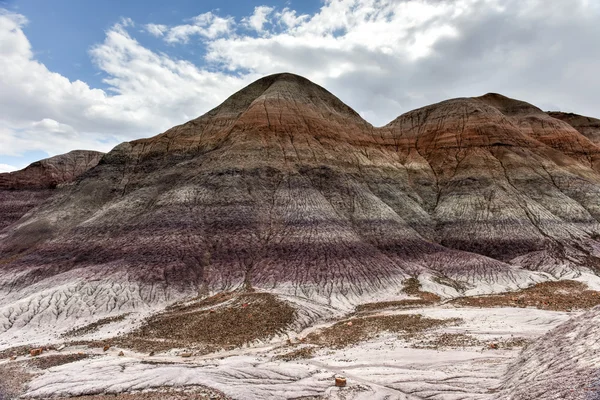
(460, 360)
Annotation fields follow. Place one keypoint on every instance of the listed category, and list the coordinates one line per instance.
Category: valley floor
(462, 357)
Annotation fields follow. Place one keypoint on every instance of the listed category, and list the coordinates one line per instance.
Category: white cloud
(52, 126)
(150, 92)
(260, 17)
(382, 57)
(7, 168)
(385, 57)
(207, 26)
(156, 29)
(289, 19)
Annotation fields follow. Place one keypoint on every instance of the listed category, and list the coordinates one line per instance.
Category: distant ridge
(53, 171)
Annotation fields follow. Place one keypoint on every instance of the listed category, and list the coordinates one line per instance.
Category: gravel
(555, 296)
(349, 332)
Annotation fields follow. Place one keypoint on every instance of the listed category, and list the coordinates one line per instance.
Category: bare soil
(93, 327)
(448, 340)
(196, 393)
(13, 378)
(15, 351)
(556, 296)
(299, 354)
(56, 360)
(398, 304)
(350, 332)
(412, 287)
(22, 351)
(461, 340)
(224, 321)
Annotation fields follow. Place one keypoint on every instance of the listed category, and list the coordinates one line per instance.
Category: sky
(90, 75)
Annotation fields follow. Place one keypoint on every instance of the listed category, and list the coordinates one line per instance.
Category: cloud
(156, 29)
(288, 18)
(388, 57)
(207, 26)
(260, 17)
(7, 168)
(149, 93)
(382, 57)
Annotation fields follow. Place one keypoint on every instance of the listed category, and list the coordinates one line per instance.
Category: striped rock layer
(284, 187)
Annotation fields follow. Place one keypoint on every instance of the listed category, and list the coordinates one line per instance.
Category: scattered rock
(13, 380)
(94, 326)
(55, 360)
(36, 352)
(162, 393)
(193, 326)
(121, 354)
(564, 295)
(299, 354)
(341, 334)
(446, 340)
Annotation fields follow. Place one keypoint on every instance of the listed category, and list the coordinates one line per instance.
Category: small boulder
(340, 381)
(121, 354)
(186, 355)
(106, 347)
(151, 354)
(36, 352)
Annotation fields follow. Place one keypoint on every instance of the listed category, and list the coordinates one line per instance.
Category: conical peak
(284, 86)
(286, 81)
(508, 106)
(286, 77)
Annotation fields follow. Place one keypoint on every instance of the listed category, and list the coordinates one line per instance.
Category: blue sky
(82, 74)
(61, 31)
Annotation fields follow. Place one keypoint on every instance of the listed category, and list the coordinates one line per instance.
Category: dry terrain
(280, 240)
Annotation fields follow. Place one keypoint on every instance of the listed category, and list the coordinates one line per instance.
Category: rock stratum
(285, 188)
(20, 191)
(51, 172)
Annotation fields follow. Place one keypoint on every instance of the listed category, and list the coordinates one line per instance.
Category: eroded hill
(285, 188)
